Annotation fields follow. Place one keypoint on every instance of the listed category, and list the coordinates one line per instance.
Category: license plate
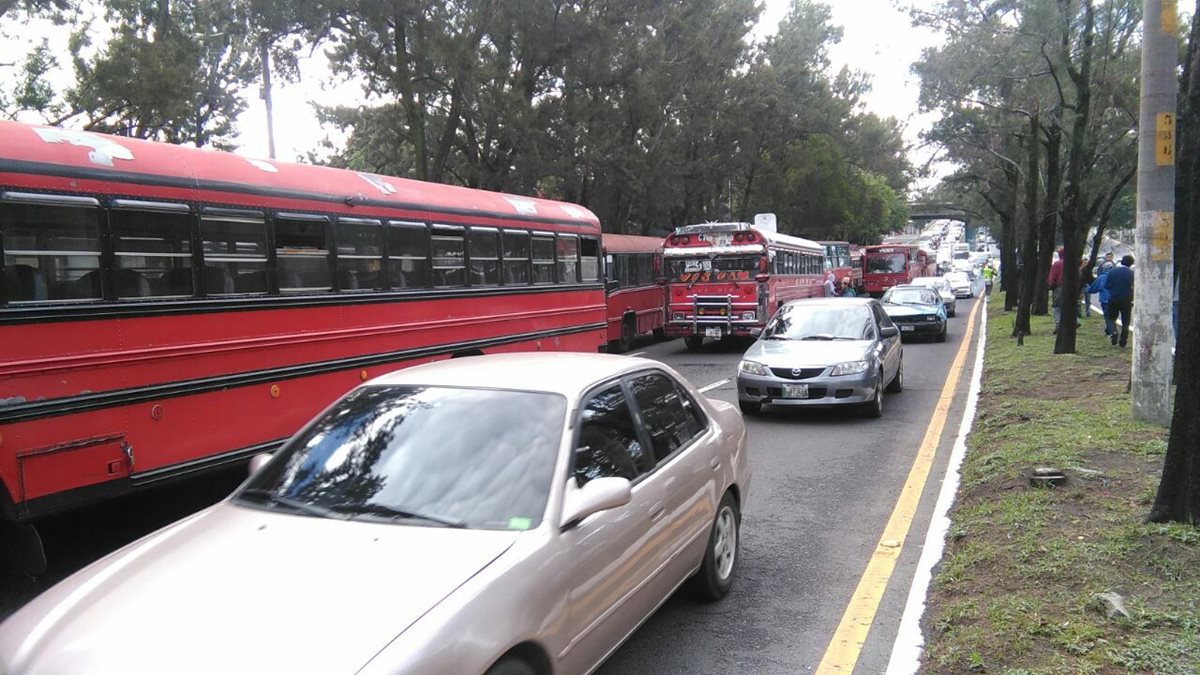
(712, 332)
(795, 391)
(903, 327)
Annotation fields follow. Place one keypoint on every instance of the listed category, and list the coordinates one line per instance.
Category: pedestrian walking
(1054, 282)
(1120, 298)
(1086, 277)
(830, 288)
(1099, 287)
(989, 273)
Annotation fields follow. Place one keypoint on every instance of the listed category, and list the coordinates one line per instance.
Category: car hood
(806, 353)
(910, 310)
(235, 589)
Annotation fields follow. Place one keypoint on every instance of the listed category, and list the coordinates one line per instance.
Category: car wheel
(750, 407)
(950, 313)
(897, 384)
(715, 577)
(693, 342)
(941, 337)
(874, 407)
(511, 665)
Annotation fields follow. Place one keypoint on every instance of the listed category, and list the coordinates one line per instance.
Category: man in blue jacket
(1100, 288)
(1119, 283)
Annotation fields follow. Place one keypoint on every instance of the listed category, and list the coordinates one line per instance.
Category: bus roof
(83, 155)
(631, 243)
(772, 237)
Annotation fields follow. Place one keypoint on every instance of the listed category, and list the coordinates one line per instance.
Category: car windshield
(438, 456)
(911, 296)
(716, 268)
(820, 322)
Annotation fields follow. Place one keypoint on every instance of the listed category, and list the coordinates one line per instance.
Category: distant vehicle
(636, 301)
(942, 286)
(917, 310)
(823, 352)
(889, 265)
(961, 282)
(961, 251)
(512, 513)
(725, 279)
(840, 260)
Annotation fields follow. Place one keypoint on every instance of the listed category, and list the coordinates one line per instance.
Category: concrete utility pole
(1153, 336)
(265, 52)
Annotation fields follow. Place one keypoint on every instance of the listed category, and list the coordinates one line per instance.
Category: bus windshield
(886, 263)
(724, 268)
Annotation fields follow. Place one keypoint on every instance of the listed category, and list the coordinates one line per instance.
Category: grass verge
(1019, 588)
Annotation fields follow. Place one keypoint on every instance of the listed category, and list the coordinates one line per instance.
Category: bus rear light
(362, 374)
(739, 237)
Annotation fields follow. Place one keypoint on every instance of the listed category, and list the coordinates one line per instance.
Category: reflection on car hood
(234, 589)
(909, 310)
(806, 353)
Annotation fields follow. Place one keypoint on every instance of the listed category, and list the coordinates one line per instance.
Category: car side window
(608, 441)
(667, 422)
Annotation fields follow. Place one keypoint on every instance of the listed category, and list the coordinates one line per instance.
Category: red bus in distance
(726, 279)
(840, 260)
(635, 298)
(166, 310)
(888, 265)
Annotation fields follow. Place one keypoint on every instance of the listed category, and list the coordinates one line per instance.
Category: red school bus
(635, 298)
(166, 310)
(726, 279)
(840, 260)
(890, 265)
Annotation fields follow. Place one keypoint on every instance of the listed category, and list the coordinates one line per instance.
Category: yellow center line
(842, 653)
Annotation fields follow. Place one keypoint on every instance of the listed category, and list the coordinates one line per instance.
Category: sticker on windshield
(518, 523)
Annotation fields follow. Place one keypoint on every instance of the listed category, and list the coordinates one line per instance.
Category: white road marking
(714, 385)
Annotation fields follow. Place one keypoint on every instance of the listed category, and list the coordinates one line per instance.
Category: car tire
(874, 407)
(693, 342)
(941, 337)
(715, 577)
(950, 313)
(750, 407)
(897, 384)
(511, 665)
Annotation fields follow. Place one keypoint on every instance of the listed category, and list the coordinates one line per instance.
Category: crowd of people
(1110, 282)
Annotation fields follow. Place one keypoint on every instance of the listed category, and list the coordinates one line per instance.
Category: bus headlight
(849, 368)
(749, 316)
(752, 367)
(677, 316)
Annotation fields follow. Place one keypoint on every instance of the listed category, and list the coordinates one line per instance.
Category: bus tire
(628, 334)
(660, 334)
(693, 342)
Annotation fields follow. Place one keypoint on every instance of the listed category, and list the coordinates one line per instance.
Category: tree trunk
(1030, 268)
(1010, 283)
(1178, 497)
(1049, 224)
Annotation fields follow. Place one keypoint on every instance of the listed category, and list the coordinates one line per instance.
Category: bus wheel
(21, 549)
(661, 334)
(693, 342)
(628, 334)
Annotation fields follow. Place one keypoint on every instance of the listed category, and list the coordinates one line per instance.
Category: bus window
(543, 259)
(645, 269)
(449, 257)
(485, 256)
(568, 259)
(360, 254)
(51, 251)
(235, 254)
(408, 255)
(153, 247)
(589, 253)
(516, 257)
(302, 254)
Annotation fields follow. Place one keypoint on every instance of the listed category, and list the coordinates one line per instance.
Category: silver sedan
(823, 352)
(511, 514)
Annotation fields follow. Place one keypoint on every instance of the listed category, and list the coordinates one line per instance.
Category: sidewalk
(1061, 579)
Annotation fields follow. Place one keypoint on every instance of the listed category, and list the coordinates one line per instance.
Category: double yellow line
(844, 648)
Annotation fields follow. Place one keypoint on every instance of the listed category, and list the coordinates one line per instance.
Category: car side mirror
(889, 331)
(598, 494)
(257, 462)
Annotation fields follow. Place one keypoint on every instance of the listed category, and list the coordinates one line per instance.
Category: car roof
(905, 287)
(566, 373)
(830, 302)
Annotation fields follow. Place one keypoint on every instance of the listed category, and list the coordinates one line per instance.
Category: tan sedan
(501, 514)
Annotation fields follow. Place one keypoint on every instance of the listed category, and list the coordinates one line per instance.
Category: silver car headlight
(752, 367)
(850, 368)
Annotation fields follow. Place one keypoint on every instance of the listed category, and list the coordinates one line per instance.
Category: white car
(961, 283)
(942, 286)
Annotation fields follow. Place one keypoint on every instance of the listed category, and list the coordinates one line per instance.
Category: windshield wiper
(269, 497)
(818, 336)
(779, 337)
(355, 510)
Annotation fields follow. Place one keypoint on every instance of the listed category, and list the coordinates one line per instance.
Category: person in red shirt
(1054, 281)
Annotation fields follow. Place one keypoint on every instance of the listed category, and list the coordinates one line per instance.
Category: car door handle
(657, 511)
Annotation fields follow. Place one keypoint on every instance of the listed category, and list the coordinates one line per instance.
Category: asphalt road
(825, 483)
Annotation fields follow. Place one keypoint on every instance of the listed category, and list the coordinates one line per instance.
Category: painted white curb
(906, 652)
